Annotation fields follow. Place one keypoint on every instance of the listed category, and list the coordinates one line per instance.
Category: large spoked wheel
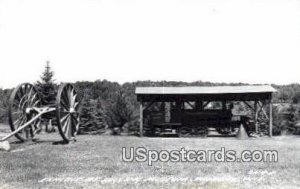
(67, 105)
(22, 102)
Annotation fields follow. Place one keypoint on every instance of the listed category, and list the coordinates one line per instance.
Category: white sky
(126, 40)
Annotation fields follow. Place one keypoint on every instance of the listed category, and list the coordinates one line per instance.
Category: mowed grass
(92, 159)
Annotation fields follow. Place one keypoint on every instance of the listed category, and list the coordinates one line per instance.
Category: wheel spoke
(74, 101)
(17, 112)
(76, 104)
(69, 94)
(64, 112)
(77, 125)
(64, 118)
(64, 105)
(21, 91)
(17, 121)
(71, 127)
(67, 130)
(65, 98)
(74, 118)
(29, 94)
(16, 103)
(21, 103)
(70, 134)
(27, 87)
(32, 98)
(35, 103)
(74, 125)
(17, 97)
(65, 125)
(24, 90)
(23, 120)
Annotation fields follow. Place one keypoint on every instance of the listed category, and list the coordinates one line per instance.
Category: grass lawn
(95, 162)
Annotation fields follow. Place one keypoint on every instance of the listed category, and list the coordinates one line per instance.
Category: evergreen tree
(291, 118)
(100, 114)
(296, 98)
(4, 98)
(92, 117)
(46, 86)
(121, 112)
(86, 114)
(47, 91)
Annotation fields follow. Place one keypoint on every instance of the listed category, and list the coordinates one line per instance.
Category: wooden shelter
(256, 97)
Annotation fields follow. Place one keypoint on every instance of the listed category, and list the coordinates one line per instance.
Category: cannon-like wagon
(27, 108)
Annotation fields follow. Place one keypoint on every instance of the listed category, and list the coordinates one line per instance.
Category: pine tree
(120, 112)
(47, 91)
(86, 115)
(92, 116)
(100, 114)
(291, 118)
(46, 86)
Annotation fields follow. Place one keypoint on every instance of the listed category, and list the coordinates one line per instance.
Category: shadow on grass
(62, 142)
(192, 136)
(37, 141)
(17, 142)
(222, 136)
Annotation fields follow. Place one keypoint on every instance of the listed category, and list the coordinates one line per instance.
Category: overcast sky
(126, 40)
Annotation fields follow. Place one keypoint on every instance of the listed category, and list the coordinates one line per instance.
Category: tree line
(110, 105)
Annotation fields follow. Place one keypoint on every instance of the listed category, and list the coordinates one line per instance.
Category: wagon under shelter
(187, 111)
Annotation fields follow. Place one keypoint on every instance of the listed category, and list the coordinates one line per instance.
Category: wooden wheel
(22, 102)
(184, 131)
(201, 131)
(67, 115)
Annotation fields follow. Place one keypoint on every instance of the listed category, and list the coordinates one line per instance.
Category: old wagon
(26, 110)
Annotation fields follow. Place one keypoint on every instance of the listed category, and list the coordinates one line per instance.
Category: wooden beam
(199, 105)
(141, 119)
(224, 105)
(253, 109)
(256, 116)
(149, 105)
(271, 119)
(262, 109)
(189, 103)
(206, 104)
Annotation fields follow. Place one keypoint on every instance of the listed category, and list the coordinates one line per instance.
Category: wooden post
(256, 116)
(198, 105)
(141, 119)
(271, 118)
(201, 105)
(223, 105)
